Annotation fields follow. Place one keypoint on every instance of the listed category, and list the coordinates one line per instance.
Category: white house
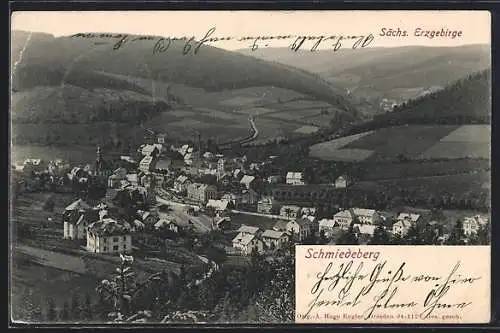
(75, 228)
(247, 181)
(201, 192)
(147, 217)
(327, 226)
(218, 205)
(344, 218)
(75, 220)
(413, 218)
(290, 211)
(342, 181)
(147, 164)
(274, 239)
(151, 150)
(471, 224)
(366, 216)
(267, 205)
(114, 181)
(248, 243)
(108, 236)
(294, 178)
(401, 227)
(299, 227)
(308, 211)
(181, 183)
(365, 229)
(168, 224)
(248, 230)
(222, 223)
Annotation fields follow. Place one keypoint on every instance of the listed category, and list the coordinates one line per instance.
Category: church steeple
(99, 162)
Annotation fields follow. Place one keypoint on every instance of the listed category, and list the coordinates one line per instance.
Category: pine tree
(51, 314)
(483, 234)
(87, 307)
(348, 237)
(75, 307)
(457, 236)
(380, 236)
(64, 315)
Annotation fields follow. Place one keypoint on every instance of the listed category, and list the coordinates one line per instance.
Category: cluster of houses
(106, 230)
(237, 185)
(102, 232)
(365, 221)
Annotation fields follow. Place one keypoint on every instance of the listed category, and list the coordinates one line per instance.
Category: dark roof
(108, 227)
(303, 222)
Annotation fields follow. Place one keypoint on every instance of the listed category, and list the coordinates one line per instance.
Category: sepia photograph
(168, 166)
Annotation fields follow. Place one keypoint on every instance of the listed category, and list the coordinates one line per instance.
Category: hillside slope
(467, 101)
(71, 80)
(212, 69)
(396, 73)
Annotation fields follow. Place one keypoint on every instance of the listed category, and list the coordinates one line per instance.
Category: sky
(474, 25)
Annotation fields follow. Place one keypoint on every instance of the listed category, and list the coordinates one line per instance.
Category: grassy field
(45, 265)
(449, 219)
(256, 221)
(471, 141)
(413, 142)
(427, 168)
(457, 184)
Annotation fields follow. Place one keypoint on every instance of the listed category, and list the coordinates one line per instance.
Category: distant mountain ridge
(76, 81)
(212, 68)
(466, 101)
(398, 73)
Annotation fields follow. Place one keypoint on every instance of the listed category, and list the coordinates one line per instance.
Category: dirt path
(54, 259)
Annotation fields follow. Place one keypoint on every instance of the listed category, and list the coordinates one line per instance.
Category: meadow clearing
(411, 142)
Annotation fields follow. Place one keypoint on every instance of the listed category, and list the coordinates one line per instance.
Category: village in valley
(165, 202)
(174, 187)
(179, 190)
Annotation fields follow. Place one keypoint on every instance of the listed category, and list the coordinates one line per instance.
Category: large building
(274, 239)
(147, 164)
(301, 228)
(295, 178)
(109, 236)
(102, 167)
(344, 218)
(201, 192)
(248, 243)
(306, 195)
(268, 205)
(76, 219)
(327, 226)
(471, 224)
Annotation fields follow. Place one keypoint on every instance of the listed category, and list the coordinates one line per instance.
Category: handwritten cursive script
(193, 44)
(350, 284)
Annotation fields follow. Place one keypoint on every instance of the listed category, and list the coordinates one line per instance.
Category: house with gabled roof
(295, 178)
(249, 230)
(401, 227)
(76, 218)
(247, 181)
(222, 222)
(248, 243)
(107, 235)
(327, 226)
(274, 239)
(300, 227)
(218, 205)
(290, 211)
(342, 181)
(471, 224)
(412, 218)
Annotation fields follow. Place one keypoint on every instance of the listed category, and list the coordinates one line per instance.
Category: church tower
(101, 168)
